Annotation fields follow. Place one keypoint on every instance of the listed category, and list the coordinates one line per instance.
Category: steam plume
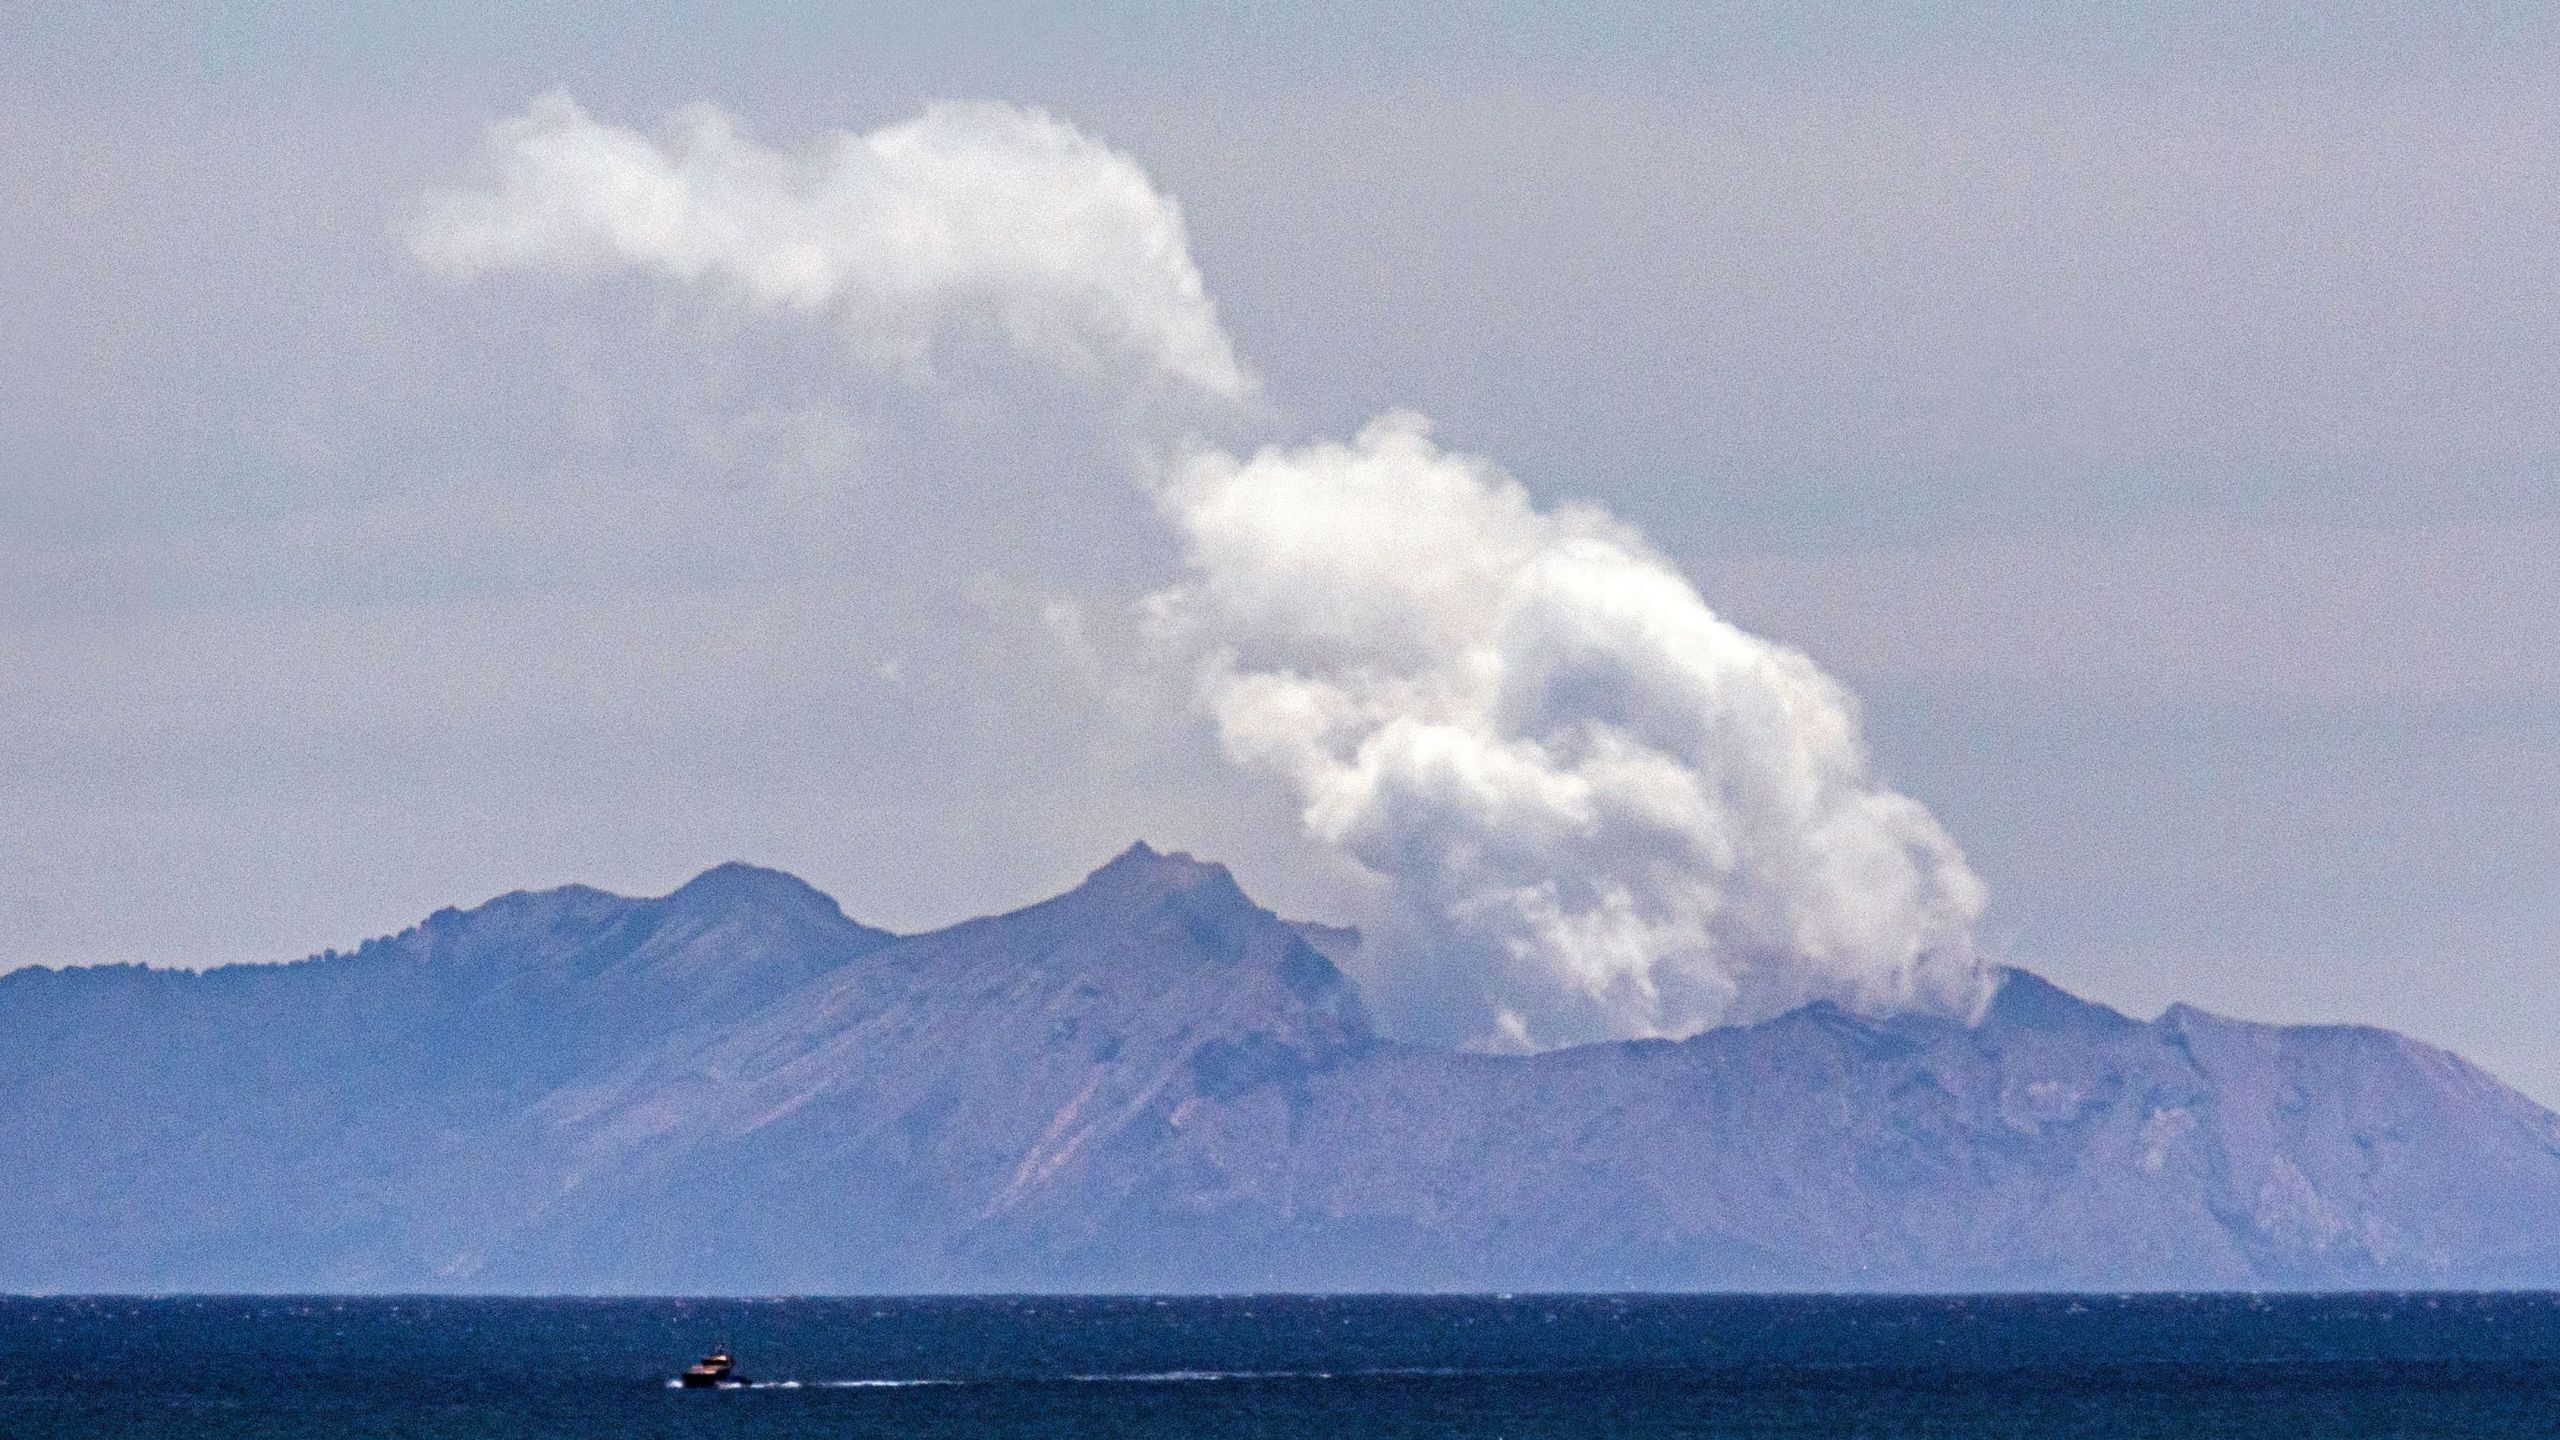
(968, 210)
(1602, 810)
(1595, 809)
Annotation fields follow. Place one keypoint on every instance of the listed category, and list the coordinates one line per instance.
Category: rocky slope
(1152, 1083)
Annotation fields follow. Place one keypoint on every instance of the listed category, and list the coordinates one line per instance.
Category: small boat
(713, 1371)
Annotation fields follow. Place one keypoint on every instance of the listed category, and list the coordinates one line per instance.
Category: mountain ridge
(1150, 1082)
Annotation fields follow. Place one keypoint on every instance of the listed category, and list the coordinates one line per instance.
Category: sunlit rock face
(1152, 1083)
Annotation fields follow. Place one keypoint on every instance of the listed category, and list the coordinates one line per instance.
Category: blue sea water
(2267, 1368)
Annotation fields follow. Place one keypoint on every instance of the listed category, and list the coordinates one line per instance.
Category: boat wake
(1192, 1377)
(848, 1384)
(1133, 1377)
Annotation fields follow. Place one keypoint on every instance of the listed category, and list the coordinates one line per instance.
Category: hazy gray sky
(2149, 418)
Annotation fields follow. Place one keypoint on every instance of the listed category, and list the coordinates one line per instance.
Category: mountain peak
(737, 882)
(1143, 865)
(2028, 1001)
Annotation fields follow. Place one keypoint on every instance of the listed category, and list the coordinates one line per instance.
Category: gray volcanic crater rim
(1152, 1083)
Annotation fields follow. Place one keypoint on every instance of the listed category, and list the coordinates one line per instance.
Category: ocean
(2266, 1368)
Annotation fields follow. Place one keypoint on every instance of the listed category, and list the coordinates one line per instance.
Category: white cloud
(1601, 810)
(986, 212)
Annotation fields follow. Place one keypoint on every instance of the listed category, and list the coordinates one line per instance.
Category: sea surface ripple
(1360, 1366)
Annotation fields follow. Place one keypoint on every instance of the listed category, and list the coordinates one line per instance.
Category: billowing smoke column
(1602, 810)
(1594, 808)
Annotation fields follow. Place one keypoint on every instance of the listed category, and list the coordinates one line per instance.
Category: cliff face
(1152, 1083)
